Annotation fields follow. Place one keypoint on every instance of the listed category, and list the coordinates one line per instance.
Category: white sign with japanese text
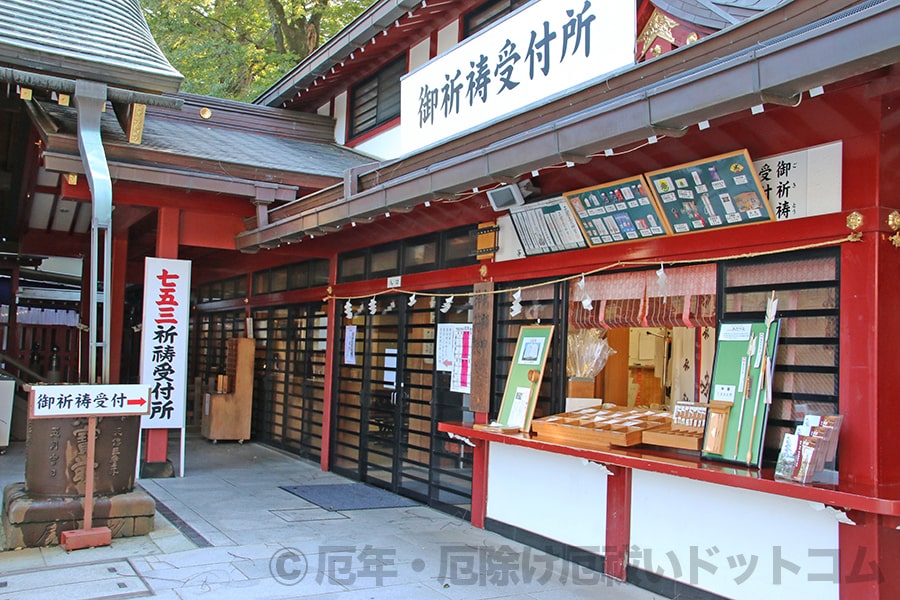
(542, 50)
(461, 375)
(350, 345)
(804, 183)
(164, 341)
(98, 400)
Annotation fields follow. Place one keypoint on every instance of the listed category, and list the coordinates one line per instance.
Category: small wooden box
(685, 432)
(717, 427)
(580, 387)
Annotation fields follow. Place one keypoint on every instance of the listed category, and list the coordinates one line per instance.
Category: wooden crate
(599, 427)
(674, 438)
(685, 432)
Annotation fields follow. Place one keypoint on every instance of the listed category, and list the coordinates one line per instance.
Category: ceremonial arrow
(765, 372)
(745, 394)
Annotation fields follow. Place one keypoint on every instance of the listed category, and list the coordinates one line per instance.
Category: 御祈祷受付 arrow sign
(89, 400)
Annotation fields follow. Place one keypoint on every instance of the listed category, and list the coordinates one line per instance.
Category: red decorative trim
(864, 498)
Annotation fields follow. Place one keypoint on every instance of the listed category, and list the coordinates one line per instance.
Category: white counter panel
(733, 542)
(559, 497)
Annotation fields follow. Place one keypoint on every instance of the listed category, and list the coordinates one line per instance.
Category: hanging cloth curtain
(26, 315)
(685, 297)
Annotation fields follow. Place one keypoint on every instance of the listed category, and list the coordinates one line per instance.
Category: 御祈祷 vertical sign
(546, 48)
(803, 183)
(164, 341)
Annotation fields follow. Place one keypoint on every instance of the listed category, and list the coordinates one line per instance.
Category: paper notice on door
(350, 345)
(390, 368)
(461, 372)
(443, 349)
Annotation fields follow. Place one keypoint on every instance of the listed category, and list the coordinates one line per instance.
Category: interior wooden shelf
(227, 414)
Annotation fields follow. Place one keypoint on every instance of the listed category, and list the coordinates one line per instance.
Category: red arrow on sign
(138, 401)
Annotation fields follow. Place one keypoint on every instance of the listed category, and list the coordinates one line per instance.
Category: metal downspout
(90, 99)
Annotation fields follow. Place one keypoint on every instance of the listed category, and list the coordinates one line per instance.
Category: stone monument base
(31, 521)
(157, 470)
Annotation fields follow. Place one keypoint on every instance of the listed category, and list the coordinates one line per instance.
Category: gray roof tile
(222, 145)
(715, 14)
(102, 40)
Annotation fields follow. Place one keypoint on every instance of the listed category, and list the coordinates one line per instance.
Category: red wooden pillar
(870, 289)
(167, 236)
(335, 319)
(12, 325)
(479, 481)
(618, 521)
(117, 297)
(84, 317)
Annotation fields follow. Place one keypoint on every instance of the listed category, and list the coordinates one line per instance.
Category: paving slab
(100, 580)
(227, 530)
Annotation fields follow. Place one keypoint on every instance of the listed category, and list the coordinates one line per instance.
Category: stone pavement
(226, 530)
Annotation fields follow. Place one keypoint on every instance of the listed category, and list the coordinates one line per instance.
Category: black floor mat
(348, 496)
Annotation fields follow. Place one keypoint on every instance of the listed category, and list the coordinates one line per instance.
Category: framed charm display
(721, 191)
(617, 211)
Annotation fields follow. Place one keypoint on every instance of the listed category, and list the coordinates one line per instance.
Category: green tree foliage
(236, 49)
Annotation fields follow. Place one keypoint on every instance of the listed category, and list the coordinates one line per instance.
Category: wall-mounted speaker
(505, 197)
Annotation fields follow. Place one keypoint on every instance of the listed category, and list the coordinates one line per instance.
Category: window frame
(386, 109)
(492, 11)
(442, 241)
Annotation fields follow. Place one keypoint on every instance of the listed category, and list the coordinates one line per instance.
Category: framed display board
(742, 375)
(617, 211)
(546, 226)
(524, 379)
(721, 191)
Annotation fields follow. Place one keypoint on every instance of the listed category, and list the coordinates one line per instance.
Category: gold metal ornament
(658, 26)
(893, 220)
(854, 221)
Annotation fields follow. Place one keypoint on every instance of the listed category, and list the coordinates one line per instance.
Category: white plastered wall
(385, 145)
(340, 118)
(448, 37)
(419, 54)
(736, 543)
(559, 497)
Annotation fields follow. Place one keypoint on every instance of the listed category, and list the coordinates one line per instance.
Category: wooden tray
(597, 427)
(674, 438)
